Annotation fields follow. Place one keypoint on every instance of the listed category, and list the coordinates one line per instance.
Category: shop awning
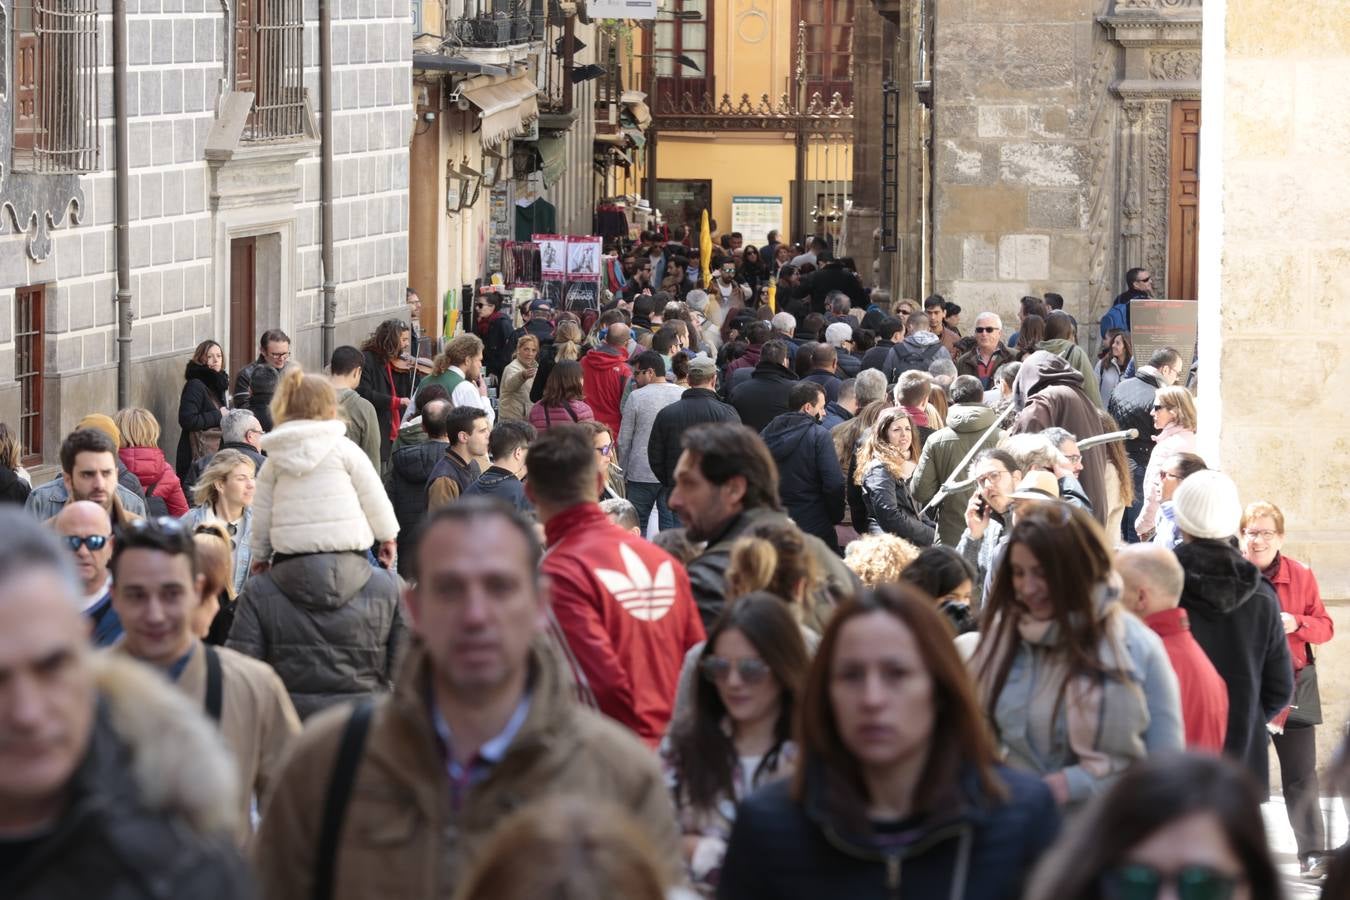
(505, 105)
(553, 158)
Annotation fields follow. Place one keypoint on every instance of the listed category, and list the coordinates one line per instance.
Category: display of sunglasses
(1140, 882)
(718, 670)
(95, 542)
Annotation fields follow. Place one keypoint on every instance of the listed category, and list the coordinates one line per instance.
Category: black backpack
(156, 507)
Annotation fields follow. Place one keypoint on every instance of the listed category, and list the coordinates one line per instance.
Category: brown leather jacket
(401, 837)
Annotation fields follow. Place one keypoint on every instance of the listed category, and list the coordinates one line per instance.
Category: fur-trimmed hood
(177, 760)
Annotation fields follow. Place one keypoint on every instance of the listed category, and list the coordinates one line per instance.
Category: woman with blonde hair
(141, 455)
(318, 492)
(1174, 415)
(566, 347)
(568, 847)
(886, 460)
(15, 483)
(517, 379)
(224, 495)
(879, 559)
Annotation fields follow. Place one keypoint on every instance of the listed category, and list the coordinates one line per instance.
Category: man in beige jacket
(481, 722)
(156, 589)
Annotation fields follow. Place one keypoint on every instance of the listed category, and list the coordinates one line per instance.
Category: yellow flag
(705, 250)
(773, 294)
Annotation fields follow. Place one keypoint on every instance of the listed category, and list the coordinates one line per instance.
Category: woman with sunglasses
(1174, 416)
(602, 439)
(224, 494)
(1172, 471)
(886, 460)
(1077, 689)
(1306, 623)
(1186, 827)
(736, 735)
(897, 791)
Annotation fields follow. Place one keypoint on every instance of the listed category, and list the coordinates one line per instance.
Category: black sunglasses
(95, 542)
(985, 329)
(1140, 882)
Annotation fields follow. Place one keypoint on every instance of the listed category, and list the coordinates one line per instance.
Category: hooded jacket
(153, 804)
(1080, 362)
(328, 623)
(764, 396)
(402, 836)
(156, 476)
(318, 493)
(204, 394)
(409, 469)
(696, 406)
(942, 453)
(781, 849)
(1050, 393)
(627, 613)
(915, 352)
(1235, 617)
(810, 481)
(604, 372)
(747, 360)
(500, 484)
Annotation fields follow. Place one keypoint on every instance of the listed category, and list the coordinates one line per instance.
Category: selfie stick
(952, 484)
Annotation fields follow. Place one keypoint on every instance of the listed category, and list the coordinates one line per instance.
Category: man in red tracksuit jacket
(1153, 582)
(604, 373)
(624, 605)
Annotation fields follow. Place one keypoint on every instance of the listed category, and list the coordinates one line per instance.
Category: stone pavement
(1282, 843)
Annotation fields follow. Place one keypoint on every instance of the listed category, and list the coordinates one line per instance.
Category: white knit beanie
(1207, 506)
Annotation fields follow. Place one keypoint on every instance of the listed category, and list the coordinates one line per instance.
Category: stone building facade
(1063, 149)
(224, 203)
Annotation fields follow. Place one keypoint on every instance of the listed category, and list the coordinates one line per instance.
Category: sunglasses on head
(1141, 882)
(95, 542)
(718, 669)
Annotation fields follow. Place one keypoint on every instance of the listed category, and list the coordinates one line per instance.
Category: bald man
(86, 531)
(1153, 581)
(77, 819)
(605, 373)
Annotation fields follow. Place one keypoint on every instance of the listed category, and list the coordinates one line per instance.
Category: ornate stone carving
(1157, 122)
(1175, 65)
(1101, 144)
(1157, 4)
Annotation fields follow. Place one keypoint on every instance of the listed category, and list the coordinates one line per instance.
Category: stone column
(863, 220)
(1275, 267)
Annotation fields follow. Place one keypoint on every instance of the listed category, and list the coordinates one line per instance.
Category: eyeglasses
(989, 478)
(279, 357)
(605, 450)
(1157, 407)
(163, 529)
(1141, 882)
(718, 670)
(95, 542)
(985, 329)
(1259, 535)
(1075, 459)
(1145, 279)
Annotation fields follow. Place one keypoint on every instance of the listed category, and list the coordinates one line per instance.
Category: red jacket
(1204, 695)
(603, 376)
(149, 466)
(627, 614)
(1301, 598)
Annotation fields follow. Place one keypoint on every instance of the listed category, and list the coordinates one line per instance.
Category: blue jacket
(980, 850)
(810, 481)
(107, 626)
(243, 553)
(501, 484)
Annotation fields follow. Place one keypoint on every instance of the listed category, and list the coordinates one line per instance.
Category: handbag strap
(339, 793)
(215, 688)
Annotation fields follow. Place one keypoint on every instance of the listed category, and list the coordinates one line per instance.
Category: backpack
(156, 507)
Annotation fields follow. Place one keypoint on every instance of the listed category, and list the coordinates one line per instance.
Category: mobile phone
(982, 507)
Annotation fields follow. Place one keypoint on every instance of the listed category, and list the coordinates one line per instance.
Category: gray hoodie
(635, 430)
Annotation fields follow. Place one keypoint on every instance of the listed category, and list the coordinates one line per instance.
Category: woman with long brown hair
(201, 406)
(387, 390)
(736, 734)
(561, 402)
(898, 789)
(888, 456)
(1077, 688)
(847, 439)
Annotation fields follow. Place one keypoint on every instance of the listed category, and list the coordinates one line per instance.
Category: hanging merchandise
(536, 216)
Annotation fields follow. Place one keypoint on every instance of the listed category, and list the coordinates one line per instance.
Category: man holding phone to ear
(988, 514)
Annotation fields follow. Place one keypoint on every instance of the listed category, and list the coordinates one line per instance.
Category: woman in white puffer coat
(318, 492)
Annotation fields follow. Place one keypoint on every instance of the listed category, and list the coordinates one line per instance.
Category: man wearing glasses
(1138, 286)
(988, 515)
(86, 530)
(989, 351)
(274, 350)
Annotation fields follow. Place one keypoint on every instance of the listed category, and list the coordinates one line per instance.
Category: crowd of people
(692, 594)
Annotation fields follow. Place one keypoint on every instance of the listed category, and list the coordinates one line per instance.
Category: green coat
(363, 426)
(941, 454)
(1078, 359)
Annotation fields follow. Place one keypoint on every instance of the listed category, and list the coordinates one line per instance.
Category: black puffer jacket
(810, 482)
(891, 509)
(409, 469)
(1235, 617)
(198, 409)
(1131, 406)
(764, 396)
(328, 623)
(13, 489)
(695, 407)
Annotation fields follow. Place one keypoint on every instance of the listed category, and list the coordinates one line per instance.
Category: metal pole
(326, 175)
(122, 192)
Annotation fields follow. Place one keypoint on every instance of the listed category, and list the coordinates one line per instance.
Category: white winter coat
(318, 493)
